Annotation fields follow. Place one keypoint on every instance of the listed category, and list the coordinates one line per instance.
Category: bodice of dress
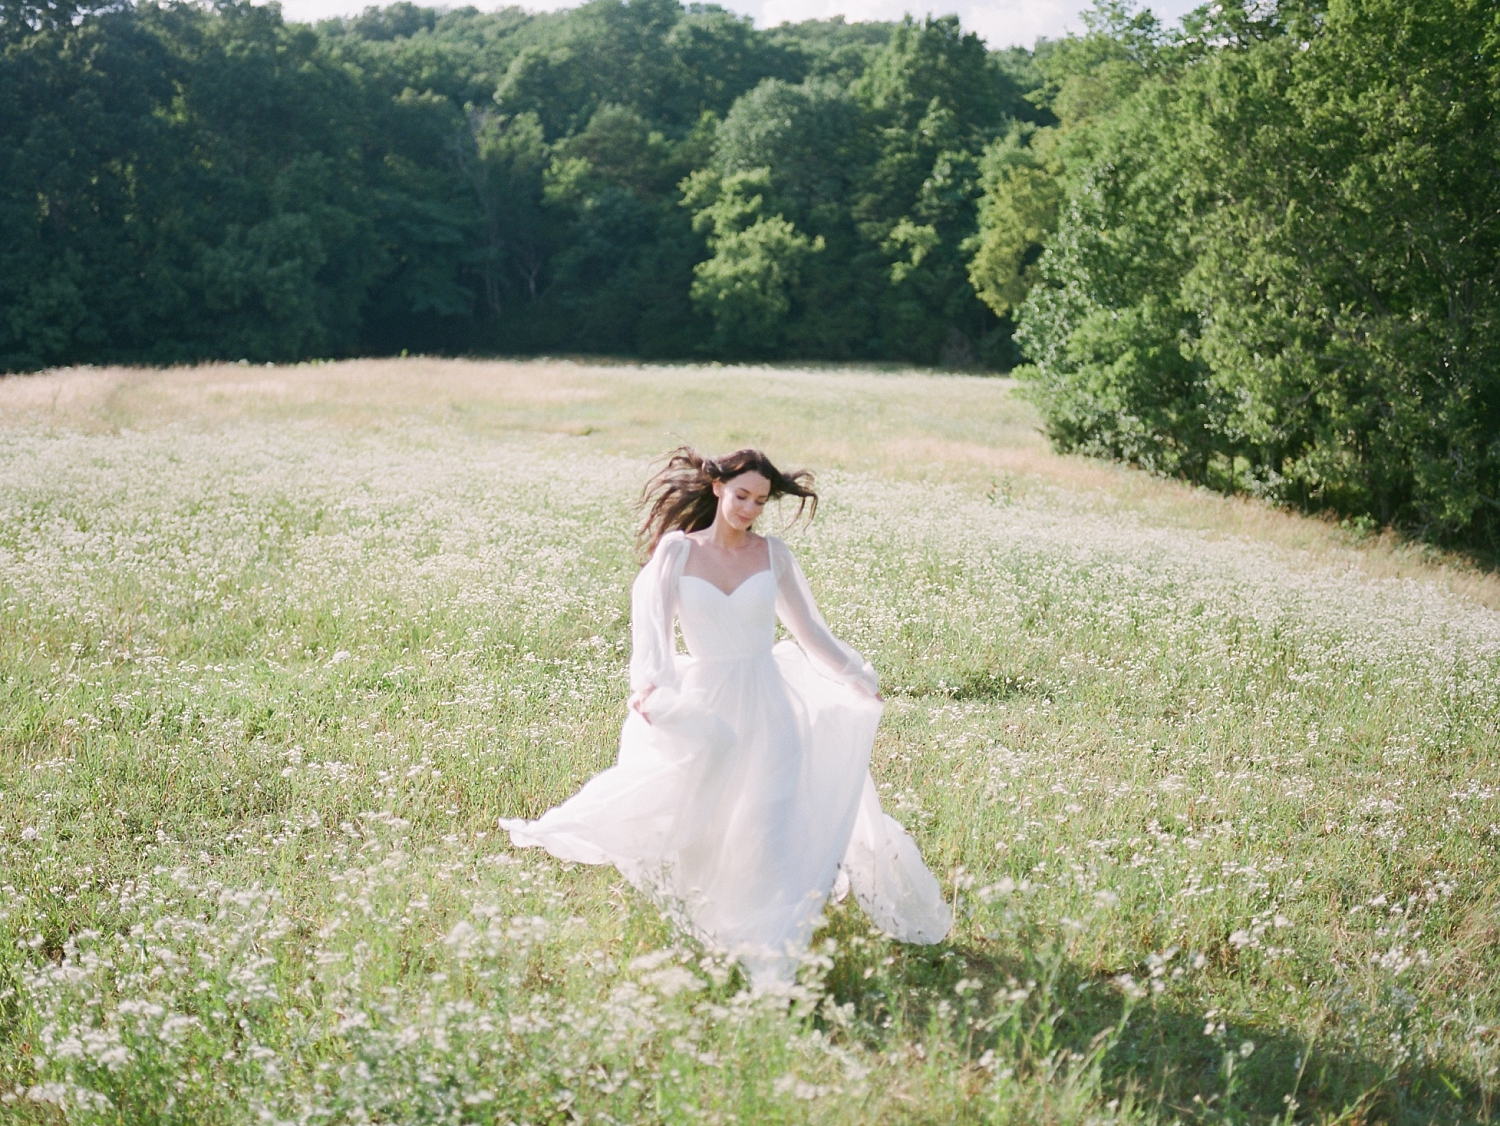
(719, 626)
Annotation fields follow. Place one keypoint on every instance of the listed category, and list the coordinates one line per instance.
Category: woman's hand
(637, 701)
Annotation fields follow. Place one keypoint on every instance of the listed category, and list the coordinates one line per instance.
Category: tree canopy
(1263, 251)
(180, 183)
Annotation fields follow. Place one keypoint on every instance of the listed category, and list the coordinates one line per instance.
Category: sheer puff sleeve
(799, 613)
(653, 607)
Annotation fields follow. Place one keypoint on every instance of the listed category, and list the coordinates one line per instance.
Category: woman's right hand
(637, 701)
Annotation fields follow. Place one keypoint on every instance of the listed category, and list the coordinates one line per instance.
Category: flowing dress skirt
(742, 804)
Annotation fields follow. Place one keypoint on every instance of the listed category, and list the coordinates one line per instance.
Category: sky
(1002, 23)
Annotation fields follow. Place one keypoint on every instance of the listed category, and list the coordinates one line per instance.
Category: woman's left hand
(637, 701)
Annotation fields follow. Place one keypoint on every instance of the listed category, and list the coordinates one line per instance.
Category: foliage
(178, 184)
(181, 182)
(1275, 260)
(1072, 82)
(747, 286)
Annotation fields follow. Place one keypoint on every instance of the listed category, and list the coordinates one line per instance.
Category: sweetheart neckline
(736, 590)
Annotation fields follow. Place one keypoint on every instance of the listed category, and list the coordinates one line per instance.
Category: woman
(742, 797)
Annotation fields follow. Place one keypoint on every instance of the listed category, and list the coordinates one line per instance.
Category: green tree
(606, 52)
(1022, 180)
(180, 182)
(1349, 267)
(747, 287)
(936, 98)
(831, 48)
(622, 278)
(716, 57)
(504, 159)
(77, 104)
(1278, 272)
(809, 135)
(20, 19)
(1079, 82)
(816, 141)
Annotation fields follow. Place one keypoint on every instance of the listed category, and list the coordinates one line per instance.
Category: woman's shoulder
(671, 544)
(779, 553)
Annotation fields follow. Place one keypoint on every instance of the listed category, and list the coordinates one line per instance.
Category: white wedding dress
(747, 797)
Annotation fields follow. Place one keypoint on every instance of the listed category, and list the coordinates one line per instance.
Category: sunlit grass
(1212, 788)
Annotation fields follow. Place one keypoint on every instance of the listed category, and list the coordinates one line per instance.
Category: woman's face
(742, 498)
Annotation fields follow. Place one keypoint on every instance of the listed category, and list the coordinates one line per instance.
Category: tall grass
(1213, 792)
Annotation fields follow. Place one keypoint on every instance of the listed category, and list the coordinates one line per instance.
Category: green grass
(1213, 789)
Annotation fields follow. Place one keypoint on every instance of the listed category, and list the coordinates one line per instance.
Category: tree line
(1257, 250)
(1261, 251)
(183, 182)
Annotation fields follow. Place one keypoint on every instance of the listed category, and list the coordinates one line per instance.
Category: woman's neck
(726, 538)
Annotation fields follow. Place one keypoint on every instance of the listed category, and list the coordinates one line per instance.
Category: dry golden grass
(971, 432)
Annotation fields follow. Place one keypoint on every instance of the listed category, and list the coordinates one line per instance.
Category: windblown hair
(681, 496)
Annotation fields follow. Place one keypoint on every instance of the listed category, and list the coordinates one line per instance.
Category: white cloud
(1002, 23)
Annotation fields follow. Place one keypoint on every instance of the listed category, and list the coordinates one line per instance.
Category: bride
(742, 797)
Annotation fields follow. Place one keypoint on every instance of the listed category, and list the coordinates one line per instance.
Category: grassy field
(1213, 788)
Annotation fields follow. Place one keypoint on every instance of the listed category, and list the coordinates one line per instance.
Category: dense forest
(1262, 251)
(183, 182)
(1259, 250)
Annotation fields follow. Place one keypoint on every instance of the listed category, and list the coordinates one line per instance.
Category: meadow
(1212, 788)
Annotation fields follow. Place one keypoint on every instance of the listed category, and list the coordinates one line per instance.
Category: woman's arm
(653, 607)
(798, 611)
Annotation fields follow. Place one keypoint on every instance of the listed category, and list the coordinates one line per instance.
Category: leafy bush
(1275, 269)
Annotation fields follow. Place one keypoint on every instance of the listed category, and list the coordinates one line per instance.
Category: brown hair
(681, 495)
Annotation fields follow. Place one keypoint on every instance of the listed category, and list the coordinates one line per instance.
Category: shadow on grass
(1029, 1009)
